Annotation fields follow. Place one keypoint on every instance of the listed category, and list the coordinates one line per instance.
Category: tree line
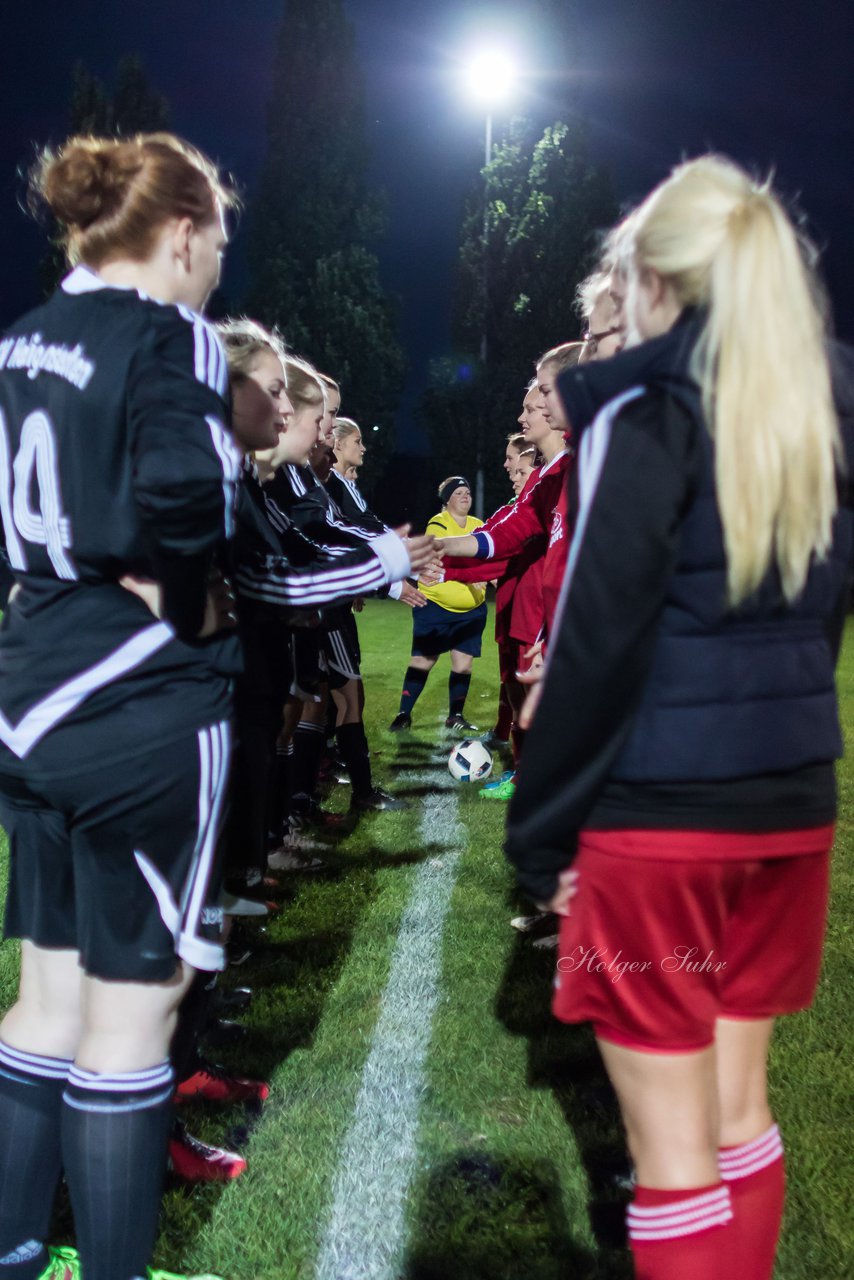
(528, 229)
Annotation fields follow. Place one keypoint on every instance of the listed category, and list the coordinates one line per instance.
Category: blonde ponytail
(724, 243)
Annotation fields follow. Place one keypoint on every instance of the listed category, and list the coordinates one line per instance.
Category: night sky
(769, 83)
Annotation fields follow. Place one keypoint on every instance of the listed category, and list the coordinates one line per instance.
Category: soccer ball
(470, 761)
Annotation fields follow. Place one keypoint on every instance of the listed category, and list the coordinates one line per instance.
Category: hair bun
(87, 178)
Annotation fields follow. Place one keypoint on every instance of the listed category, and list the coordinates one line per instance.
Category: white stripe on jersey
(296, 480)
(309, 590)
(232, 462)
(591, 459)
(209, 358)
(354, 492)
(210, 363)
(22, 737)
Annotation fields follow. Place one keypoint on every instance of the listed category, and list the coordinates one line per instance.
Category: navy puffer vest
(739, 693)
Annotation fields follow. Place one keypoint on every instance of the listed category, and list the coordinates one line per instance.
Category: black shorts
(436, 630)
(307, 664)
(342, 652)
(122, 863)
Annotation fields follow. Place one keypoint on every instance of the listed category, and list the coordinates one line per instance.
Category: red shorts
(511, 659)
(655, 950)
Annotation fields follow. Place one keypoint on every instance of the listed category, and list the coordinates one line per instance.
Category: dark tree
(133, 107)
(314, 221)
(520, 261)
(136, 106)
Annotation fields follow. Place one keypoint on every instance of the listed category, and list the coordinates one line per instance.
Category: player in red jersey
(536, 514)
(679, 806)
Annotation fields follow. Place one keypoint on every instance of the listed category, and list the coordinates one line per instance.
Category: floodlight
(491, 76)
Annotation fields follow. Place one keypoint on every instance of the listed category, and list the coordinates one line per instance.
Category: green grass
(515, 1131)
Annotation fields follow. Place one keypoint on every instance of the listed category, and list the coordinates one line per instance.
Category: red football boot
(215, 1085)
(192, 1160)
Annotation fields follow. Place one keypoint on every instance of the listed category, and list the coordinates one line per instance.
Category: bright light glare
(491, 76)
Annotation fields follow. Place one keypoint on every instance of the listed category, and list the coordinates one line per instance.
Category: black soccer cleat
(457, 722)
(403, 720)
(377, 801)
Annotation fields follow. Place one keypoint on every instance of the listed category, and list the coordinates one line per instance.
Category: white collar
(83, 280)
(547, 466)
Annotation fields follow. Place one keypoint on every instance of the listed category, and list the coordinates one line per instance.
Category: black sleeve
(185, 463)
(637, 467)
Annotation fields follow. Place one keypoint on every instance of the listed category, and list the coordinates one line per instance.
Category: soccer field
(428, 1120)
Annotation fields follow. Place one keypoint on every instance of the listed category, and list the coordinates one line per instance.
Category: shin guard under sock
(305, 765)
(675, 1235)
(356, 754)
(115, 1130)
(756, 1176)
(458, 687)
(413, 686)
(30, 1161)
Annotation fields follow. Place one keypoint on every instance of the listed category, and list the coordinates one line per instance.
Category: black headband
(456, 482)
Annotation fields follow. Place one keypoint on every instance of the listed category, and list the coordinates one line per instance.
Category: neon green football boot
(504, 790)
(64, 1264)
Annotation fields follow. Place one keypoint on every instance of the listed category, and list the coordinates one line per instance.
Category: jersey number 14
(45, 527)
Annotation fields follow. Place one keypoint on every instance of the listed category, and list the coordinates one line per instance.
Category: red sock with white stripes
(756, 1176)
(679, 1235)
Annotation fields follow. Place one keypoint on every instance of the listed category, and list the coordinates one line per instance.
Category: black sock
(413, 683)
(458, 687)
(115, 1130)
(353, 745)
(193, 1016)
(308, 747)
(330, 729)
(30, 1106)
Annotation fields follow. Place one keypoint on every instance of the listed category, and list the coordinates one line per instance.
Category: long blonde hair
(724, 242)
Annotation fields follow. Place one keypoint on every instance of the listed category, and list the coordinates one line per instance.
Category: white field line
(366, 1232)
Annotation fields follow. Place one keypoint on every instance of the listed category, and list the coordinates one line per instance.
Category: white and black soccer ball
(470, 761)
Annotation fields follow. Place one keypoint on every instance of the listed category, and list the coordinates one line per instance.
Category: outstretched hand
(422, 549)
(533, 677)
(567, 888)
(412, 596)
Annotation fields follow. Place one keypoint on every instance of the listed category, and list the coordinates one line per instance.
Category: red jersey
(554, 561)
(517, 595)
(532, 520)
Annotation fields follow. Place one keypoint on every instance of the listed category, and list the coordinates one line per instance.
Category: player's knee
(50, 1027)
(743, 1119)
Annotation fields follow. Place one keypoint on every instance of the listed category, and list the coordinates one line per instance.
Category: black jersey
(279, 566)
(350, 502)
(299, 493)
(114, 459)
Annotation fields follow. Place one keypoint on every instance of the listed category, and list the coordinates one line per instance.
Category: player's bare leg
(681, 1214)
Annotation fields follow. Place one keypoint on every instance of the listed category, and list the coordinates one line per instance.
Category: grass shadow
(565, 1060)
(460, 1202)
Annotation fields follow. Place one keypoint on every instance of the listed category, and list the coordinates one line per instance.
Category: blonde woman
(677, 805)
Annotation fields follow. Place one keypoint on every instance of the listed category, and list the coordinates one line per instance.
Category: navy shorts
(122, 863)
(436, 630)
